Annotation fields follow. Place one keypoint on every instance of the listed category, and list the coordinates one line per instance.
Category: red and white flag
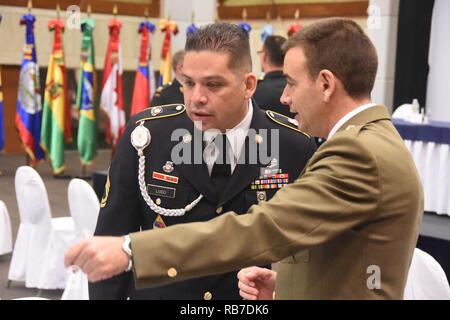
(111, 98)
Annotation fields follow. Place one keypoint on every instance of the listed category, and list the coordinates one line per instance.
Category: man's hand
(257, 283)
(100, 258)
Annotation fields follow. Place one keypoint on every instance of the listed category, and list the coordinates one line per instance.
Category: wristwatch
(126, 246)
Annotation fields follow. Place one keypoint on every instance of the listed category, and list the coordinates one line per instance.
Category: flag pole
(28, 160)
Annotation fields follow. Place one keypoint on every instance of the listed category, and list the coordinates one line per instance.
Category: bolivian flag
(56, 130)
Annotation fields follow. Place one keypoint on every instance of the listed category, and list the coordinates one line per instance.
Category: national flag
(87, 124)
(56, 130)
(2, 128)
(152, 81)
(141, 93)
(29, 108)
(111, 98)
(169, 27)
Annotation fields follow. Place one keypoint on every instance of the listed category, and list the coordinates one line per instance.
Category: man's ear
(327, 84)
(250, 82)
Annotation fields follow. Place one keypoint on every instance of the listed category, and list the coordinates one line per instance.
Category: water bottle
(415, 106)
(415, 116)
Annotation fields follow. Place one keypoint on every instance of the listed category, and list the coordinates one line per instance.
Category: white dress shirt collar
(348, 116)
(236, 136)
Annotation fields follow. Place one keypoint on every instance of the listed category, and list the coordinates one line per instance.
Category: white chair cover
(84, 208)
(426, 279)
(5, 230)
(403, 112)
(38, 256)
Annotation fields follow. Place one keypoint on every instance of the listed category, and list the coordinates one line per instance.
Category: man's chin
(203, 125)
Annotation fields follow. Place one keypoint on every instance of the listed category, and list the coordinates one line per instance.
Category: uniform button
(158, 201)
(179, 108)
(219, 210)
(172, 272)
(207, 295)
(259, 139)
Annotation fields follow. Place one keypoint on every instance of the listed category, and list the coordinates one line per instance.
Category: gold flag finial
(58, 10)
(30, 5)
(89, 10)
(146, 13)
(192, 17)
(115, 10)
(297, 14)
(268, 16)
(244, 14)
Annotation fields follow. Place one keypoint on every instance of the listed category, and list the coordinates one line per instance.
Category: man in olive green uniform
(173, 91)
(346, 229)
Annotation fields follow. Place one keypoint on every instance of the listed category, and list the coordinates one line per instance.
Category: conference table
(429, 144)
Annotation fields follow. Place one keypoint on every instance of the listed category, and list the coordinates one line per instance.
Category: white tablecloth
(433, 163)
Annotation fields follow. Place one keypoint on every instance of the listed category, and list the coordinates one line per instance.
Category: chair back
(84, 206)
(426, 279)
(32, 198)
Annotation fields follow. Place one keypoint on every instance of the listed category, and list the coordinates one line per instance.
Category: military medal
(164, 177)
(168, 167)
(140, 137)
(273, 163)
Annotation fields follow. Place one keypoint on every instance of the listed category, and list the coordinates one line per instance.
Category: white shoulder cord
(140, 139)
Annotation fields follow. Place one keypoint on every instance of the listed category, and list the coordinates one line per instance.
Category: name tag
(161, 191)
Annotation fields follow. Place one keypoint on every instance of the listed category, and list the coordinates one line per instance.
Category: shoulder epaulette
(284, 121)
(165, 111)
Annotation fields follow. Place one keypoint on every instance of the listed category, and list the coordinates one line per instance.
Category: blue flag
(29, 106)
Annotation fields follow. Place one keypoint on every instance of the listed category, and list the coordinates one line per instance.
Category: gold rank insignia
(105, 195)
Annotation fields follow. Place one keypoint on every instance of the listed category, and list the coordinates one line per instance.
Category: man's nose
(285, 99)
(198, 96)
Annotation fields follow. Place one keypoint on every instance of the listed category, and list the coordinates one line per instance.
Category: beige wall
(12, 37)
(279, 28)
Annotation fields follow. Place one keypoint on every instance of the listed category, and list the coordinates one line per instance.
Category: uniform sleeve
(339, 190)
(120, 212)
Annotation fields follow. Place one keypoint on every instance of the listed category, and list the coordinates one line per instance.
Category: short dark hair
(273, 46)
(177, 59)
(340, 46)
(223, 37)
